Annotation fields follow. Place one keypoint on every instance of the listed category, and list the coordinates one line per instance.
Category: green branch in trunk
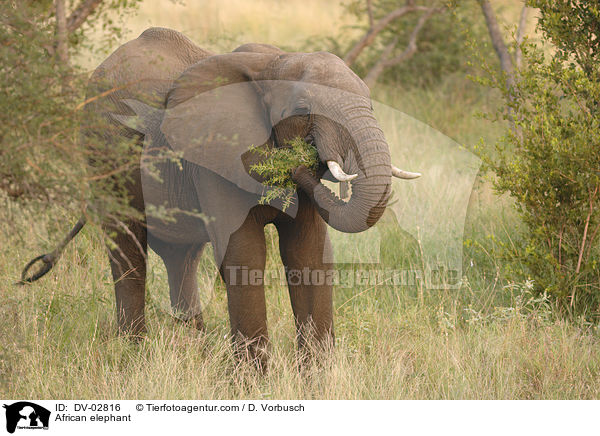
(276, 165)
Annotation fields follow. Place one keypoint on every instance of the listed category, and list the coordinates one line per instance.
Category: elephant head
(258, 95)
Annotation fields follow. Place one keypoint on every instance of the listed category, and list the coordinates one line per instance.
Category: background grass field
(490, 339)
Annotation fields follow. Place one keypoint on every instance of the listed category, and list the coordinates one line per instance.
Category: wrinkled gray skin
(163, 69)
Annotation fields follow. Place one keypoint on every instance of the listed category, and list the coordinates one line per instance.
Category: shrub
(549, 159)
(43, 157)
(37, 126)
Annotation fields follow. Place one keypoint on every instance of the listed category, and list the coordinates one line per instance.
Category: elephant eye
(301, 110)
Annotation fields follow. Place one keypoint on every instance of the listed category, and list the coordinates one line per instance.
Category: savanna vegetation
(523, 324)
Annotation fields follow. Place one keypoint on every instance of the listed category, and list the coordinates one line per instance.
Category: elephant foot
(315, 346)
(198, 323)
(135, 332)
(193, 321)
(252, 351)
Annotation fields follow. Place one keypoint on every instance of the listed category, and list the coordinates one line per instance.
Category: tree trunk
(498, 42)
(79, 15)
(62, 45)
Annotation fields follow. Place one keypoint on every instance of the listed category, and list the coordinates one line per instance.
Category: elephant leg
(181, 262)
(307, 256)
(128, 265)
(242, 270)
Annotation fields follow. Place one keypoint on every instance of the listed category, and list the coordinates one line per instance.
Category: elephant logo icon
(24, 414)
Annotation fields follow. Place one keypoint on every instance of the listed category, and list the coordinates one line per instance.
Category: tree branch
(411, 48)
(370, 13)
(80, 14)
(374, 30)
(521, 35)
(377, 69)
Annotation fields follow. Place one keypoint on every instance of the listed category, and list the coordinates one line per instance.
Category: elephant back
(143, 69)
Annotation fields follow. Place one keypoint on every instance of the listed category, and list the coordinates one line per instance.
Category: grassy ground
(487, 340)
(58, 339)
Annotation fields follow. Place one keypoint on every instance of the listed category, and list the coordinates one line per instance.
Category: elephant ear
(146, 120)
(215, 114)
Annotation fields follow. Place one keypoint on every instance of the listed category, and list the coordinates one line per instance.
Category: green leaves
(36, 121)
(44, 156)
(275, 167)
(549, 160)
(574, 28)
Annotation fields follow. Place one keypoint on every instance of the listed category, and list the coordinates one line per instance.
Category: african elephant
(167, 93)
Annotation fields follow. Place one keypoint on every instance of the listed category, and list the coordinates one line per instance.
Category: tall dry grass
(57, 340)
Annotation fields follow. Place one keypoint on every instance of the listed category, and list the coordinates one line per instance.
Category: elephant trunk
(366, 154)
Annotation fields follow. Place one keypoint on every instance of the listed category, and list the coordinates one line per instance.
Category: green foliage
(43, 158)
(276, 165)
(35, 116)
(549, 160)
(440, 43)
(524, 306)
(573, 27)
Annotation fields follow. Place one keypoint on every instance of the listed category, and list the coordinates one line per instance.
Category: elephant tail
(50, 259)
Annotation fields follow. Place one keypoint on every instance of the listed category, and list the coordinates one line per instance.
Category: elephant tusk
(401, 174)
(338, 172)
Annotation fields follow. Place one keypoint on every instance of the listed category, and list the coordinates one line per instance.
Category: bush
(549, 159)
(43, 158)
(37, 126)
